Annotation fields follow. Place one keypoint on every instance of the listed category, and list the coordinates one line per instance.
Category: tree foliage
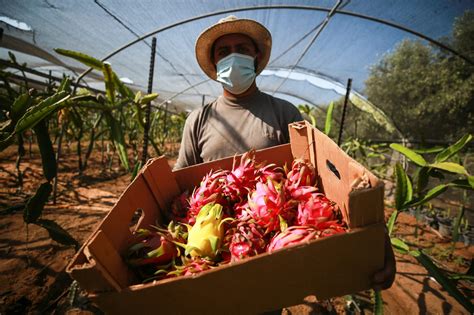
(428, 93)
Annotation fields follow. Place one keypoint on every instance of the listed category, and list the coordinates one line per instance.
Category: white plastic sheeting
(346, 48)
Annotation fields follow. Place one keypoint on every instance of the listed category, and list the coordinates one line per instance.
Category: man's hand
(384, 278)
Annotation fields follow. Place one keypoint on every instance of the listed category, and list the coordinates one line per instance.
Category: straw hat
(232, 25)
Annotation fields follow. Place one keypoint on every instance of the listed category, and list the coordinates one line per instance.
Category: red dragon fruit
(267, 205)
(291, 236)
(302, 173)
(315, 210)
(150, 248)
(241, 180)
(211, 190)
(246, 239)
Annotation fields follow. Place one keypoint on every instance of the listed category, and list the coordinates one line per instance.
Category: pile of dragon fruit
(235, 214)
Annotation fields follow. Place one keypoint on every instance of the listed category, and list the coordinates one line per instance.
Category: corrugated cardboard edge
(243, 294)
(145, 296)
(88, 266)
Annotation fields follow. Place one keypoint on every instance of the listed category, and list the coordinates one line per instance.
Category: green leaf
(12, 57)
(444, 281)
(20, 105)
(124, 90)
(471, 181)
(391, 222)
(399, 245)
(83, 58)
(148, 98)
(34, 206)
(413, 156)
(327, 125)
(136, 168)
(57, 233)
(109, 83)
(422, 179)
(463, 183)
(48, 157)
(450, 167)
(404, 189)
(429, 150)
(378, 306)
(453, 149)
(65, 85)
(138, 95)
(432, 193)
(37, 113)
(118, 139)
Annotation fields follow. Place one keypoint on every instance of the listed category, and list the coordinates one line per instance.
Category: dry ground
(33, 280)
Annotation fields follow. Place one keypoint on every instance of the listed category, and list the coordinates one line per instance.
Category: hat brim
(256, 31)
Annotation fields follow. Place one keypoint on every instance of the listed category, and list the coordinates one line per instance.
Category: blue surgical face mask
(236, 72)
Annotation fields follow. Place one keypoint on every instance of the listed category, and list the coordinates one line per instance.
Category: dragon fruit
(190, 267)
(267, 205)
(211, 190)
(246, 239)
(316, 209)
(205, 236)
(292, 236)
(150, 248)
(302, 173)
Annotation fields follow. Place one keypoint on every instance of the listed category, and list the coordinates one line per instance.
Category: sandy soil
(33, 280)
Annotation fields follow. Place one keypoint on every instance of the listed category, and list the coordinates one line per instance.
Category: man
(233, 52)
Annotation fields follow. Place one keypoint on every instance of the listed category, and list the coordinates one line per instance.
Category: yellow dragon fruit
(205, 236)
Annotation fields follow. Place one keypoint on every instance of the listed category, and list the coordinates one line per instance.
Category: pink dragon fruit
(211, 190)
(302, 173)
(270, 171)
(241, 180)
(315, 210)
(267, 205)
(329, 228)
(246, 240)
(291, 236)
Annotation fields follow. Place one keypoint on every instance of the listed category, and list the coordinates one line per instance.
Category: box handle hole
(333, 169)
(136, 219)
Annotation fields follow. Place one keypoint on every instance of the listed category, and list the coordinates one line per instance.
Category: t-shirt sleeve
(189, 150)
(290, 114)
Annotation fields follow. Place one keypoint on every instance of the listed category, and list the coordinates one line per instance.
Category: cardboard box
(327, 267)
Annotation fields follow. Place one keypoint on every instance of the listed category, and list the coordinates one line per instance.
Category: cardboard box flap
(103, 253)
(339, 175)
(161, 182)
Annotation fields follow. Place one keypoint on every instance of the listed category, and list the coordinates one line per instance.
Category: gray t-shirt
(227, 127)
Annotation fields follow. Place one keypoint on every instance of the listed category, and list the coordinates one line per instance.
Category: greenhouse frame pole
(346, 99)
(148, 106)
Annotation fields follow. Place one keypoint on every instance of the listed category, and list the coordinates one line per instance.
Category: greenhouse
(100, 101)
